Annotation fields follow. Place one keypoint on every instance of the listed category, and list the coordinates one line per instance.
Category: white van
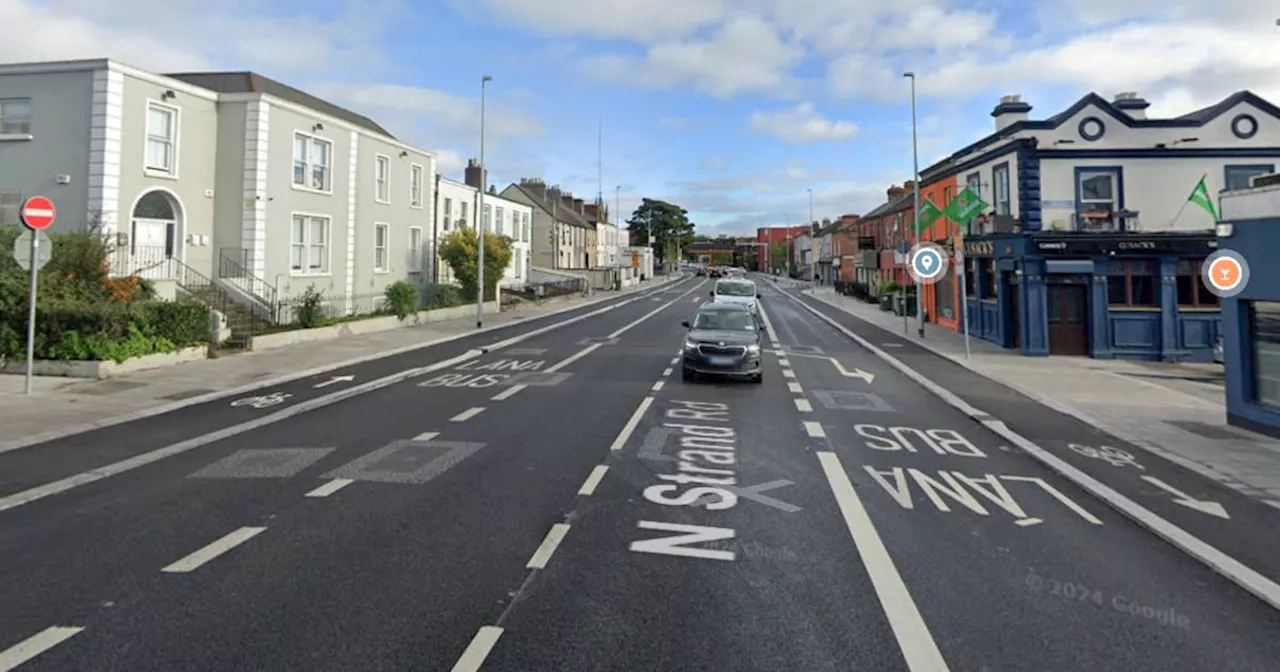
(736, 290)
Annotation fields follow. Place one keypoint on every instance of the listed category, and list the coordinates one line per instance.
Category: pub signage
(1102, 246)
(979, 248)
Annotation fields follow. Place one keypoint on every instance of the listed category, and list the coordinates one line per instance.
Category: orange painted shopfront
(942, 299)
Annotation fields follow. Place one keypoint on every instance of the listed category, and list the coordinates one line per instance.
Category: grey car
(723, 340)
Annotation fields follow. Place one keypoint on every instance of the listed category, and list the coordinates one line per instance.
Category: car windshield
(724, 320)
(735, 289)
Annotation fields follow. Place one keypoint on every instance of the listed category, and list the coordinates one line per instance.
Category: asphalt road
(428, 525)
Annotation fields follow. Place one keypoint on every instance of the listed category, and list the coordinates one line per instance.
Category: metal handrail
(232, 265)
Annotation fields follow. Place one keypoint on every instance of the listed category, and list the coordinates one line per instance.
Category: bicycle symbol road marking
(1113, 456)
(264, 401)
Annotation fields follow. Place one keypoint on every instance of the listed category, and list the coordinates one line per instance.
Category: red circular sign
(38, 213)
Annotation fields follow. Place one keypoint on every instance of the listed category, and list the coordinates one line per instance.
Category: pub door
(1068, 308)
(1015, 308)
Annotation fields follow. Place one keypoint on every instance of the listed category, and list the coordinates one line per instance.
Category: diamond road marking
(263, 463)
(839, 400)
(406, 462)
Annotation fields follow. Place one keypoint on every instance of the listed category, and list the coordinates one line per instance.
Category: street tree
(461, 252)
(669, 224)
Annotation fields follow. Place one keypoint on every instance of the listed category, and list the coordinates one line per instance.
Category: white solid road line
(795, 387)
(330, 487)
(625, 328)
(35, 645)
(548, 547)
(467, 414)
(768, 327)
(508, 393)
(572, 358)
(804, 406)
(658, 385)
(814, 429)
(593, 480)
(630, 428)
(478, 649)
(193, 561)
(913, 636)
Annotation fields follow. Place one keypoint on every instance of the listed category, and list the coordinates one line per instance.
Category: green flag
(965, 206)
(1200, 196)
(929, 213)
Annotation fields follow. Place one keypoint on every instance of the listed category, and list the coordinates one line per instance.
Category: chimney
(553, 194)
(1131, 104)
(895, 192)
(578, 205)
(475, 174)
(1010, 111)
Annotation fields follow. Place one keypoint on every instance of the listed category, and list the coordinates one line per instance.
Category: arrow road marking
(856, 373)
(654, 441)
(753, 493)
(335, 380)
(1180, 497)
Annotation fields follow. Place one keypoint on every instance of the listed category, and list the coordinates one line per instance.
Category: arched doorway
(155, 233)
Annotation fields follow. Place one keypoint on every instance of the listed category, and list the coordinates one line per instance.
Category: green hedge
(67, 331)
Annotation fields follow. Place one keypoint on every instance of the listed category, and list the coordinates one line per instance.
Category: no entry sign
(38, 213)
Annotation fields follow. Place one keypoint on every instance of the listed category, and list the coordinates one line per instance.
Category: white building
(607, 247)
(458, 203)
(220, 182)
(1103, 165)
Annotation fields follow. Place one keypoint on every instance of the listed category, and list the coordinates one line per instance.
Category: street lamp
(480, 229)
(915, 184)
(813, 238)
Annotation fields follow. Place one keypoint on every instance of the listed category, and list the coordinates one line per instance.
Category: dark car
(723, 340)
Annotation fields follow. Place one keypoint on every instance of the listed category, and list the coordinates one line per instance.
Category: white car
(736, 290)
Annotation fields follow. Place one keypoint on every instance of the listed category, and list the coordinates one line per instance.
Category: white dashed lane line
(814, 429)
(667, 371)
(18, 654)
(196, 560)
(330, 487)
(803, 405)
(478, 649)
(548, 548)
(593, 480)
(795, 388)
(508, 393)
(658, 385)
(467, 414)
(788, 373)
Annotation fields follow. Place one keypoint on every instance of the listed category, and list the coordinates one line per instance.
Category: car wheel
(686, 375)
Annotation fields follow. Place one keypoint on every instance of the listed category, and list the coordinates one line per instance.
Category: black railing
(243, 322)
(330, 307)
(547, 290)
(148, 261)
(233, 265)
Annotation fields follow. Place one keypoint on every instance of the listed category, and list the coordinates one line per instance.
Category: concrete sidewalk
(59, 402)
(1174, 410)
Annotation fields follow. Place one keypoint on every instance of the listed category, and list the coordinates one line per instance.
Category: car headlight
(690, 345)
(753, 349)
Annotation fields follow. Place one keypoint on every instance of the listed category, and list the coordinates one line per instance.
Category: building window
(524, 218)
(1097, 198)
(382, 179)
(1131, 284)
(499, 226)
(1264, 335)
(10, 206)
(381, 239)
(974, 181)
(312, 162)
(990, 280)
(1192, 292)
(485, 220)
(516, 266)
(971, 278)
(162, 139)
(946, 296)
(448, 212)
(415, 186)
(1000, 182)
(309, 245)
(463, 220)
(415, 249)
(15, 116)
(1237, 177)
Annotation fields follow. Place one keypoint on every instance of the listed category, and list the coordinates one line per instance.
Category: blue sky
(730, 108)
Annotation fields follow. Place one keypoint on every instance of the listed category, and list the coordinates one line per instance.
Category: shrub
(309, 313)
(401, 299)
(106, 331)
(461, 251)
(444, 296)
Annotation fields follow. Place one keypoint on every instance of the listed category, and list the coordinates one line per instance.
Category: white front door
(149, 248)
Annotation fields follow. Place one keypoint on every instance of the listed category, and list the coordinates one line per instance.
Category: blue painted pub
(1108, 295)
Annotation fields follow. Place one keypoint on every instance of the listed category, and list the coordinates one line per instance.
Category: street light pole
(484, 176)
(915, 184)
(812, 238)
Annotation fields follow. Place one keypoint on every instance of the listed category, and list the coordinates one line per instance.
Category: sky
(735, 110)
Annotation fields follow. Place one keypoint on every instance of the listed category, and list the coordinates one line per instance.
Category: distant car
(723, 340)
(734, 290)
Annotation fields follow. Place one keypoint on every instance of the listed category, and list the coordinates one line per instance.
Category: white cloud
(801, 124)
(746, 55)
(446, 114)
(613, 19)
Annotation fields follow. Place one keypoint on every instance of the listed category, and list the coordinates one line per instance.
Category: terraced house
(220, 182)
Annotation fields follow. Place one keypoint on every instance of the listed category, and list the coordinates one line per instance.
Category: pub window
(946, 296)
(971, 278)
(990, 279)
(1264, 335)
(1131, 283)
(1192, 292)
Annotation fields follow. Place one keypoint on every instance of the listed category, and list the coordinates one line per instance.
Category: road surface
(567, 503)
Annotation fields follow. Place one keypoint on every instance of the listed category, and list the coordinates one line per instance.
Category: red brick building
(773, 237)
(884, 236)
